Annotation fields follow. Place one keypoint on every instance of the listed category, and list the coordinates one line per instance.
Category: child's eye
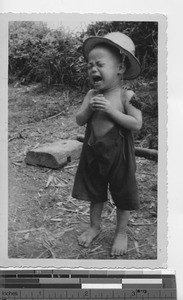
(89, 66)
(100, 65)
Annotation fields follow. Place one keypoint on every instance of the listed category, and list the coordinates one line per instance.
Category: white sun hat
(123, 43)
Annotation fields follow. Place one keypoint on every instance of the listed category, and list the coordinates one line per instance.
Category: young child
(107, 158)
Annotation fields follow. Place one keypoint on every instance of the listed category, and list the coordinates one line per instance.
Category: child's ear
(122, 69)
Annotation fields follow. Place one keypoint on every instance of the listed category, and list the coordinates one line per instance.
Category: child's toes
(120, 245)
(118, 252)
(87, 237)
(113, 252)
(122, 252)
(81, 241)
(84, 240)
(87, 243)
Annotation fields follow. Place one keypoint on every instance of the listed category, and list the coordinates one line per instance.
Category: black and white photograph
(87, 140)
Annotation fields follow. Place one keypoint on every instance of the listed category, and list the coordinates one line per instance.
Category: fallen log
(151, 154)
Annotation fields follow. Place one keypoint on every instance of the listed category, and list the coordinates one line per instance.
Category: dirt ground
(44, 220)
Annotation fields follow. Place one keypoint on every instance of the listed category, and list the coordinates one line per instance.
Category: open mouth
(97, 78)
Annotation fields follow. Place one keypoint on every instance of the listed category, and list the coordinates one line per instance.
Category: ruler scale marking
(90, 285)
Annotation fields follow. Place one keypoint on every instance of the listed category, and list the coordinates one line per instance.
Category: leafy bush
(25, 48)
(39, 54)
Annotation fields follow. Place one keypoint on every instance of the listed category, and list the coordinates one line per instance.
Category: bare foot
(120, 244)
(87, 237)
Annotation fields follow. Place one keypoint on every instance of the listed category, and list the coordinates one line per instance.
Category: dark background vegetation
(38, 53)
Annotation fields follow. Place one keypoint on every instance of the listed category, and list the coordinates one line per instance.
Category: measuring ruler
(76, 284)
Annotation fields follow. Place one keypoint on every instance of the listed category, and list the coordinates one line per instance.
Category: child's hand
(99, 102)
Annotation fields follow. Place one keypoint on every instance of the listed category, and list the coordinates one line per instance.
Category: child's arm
(132, 108)
(132, 120)
(85, 110)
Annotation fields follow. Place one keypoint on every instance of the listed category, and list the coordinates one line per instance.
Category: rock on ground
(54, 155)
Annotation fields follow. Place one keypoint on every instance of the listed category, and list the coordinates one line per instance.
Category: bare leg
(95, 217)
(120, 240)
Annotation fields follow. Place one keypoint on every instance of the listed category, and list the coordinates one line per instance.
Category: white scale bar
(142, 280)
(119, 285)
(101, 286)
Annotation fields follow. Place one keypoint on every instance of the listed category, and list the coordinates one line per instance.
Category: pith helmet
(123, 43)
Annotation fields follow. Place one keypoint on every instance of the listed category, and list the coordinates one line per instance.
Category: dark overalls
(108, 162)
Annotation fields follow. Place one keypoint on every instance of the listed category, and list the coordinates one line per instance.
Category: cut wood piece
(146, 153)
(54, 155)
(151, 154)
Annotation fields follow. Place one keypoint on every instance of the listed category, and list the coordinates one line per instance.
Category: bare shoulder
(129, 94)
(132, 99)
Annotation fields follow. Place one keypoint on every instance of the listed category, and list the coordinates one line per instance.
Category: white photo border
(161, 261)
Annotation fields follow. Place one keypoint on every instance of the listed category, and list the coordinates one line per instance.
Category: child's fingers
(98, 98)
(99, 101)
(97, 106)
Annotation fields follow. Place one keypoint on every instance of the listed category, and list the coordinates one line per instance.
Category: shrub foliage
(40, 54)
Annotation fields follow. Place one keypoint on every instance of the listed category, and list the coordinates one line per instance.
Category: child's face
(104, 69)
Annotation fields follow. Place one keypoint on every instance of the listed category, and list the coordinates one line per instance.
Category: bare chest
(101, 122)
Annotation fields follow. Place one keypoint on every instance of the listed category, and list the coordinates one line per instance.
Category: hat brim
(134, 68)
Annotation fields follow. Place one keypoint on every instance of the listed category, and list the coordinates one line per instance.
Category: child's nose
(94, 69)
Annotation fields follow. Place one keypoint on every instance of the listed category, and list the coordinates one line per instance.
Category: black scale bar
(42, 286)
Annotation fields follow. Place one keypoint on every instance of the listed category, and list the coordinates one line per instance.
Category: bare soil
(44, 220)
